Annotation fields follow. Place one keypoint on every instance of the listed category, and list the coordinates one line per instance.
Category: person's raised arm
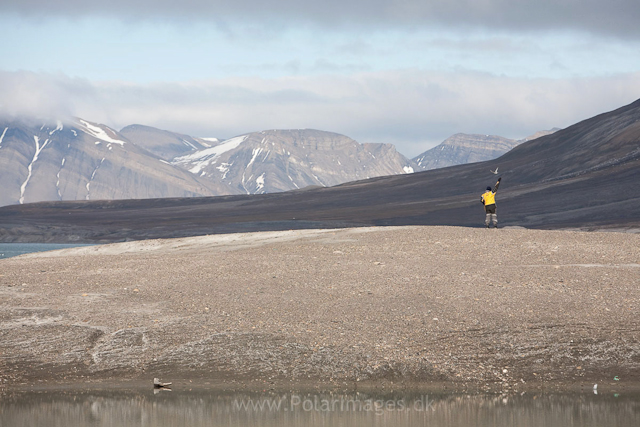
(495, 189)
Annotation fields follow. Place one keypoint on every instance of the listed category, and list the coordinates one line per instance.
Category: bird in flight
(495, 172)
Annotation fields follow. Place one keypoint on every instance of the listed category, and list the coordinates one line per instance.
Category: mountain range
(582, 177)
(85, 161)
(461, 148)
(82, 160)
(282, 160)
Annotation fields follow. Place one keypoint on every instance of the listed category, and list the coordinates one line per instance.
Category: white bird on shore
(159, 384)
(495, 172)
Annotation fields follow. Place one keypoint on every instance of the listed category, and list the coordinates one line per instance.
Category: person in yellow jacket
(488, 199)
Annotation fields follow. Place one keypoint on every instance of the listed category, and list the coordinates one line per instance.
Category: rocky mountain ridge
(280, 160)
(463, 148)
(165, 144)
(82, 160)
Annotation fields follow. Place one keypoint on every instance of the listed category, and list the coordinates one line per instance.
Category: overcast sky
(409, 72)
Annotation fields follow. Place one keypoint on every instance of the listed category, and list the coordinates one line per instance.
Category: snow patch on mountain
(39, 149)
(255, 153)
(59, 126)
(3, 134)
(203, 158)
(260, 182)
(224, 169)
(293, 182)
(93, 175)
(98, 132)
(188, 144)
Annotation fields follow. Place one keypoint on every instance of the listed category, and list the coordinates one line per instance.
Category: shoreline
(280, 227)
(203, 384)
(371, 308)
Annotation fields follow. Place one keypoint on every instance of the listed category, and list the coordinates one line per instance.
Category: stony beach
(363, 307)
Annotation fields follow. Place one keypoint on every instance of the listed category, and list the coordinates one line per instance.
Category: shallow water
(8, 250)
(212, 409)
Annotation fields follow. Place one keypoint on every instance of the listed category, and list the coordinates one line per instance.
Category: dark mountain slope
(584, 176)
(592, 144)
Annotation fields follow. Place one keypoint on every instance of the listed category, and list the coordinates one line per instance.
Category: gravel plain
(361, 307)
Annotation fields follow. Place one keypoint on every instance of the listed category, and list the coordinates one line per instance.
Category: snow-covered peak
(100, 131)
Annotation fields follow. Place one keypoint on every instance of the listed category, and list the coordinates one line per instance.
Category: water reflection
(212, 409)
(8, 250)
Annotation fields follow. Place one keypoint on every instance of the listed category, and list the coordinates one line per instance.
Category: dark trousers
(491, 215)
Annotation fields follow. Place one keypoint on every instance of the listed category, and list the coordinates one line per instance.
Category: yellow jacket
(489, 198)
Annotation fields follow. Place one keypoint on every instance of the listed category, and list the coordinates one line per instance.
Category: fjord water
(213, 409)
(8, 250)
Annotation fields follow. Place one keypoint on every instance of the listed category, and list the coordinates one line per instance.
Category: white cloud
(410, 108)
